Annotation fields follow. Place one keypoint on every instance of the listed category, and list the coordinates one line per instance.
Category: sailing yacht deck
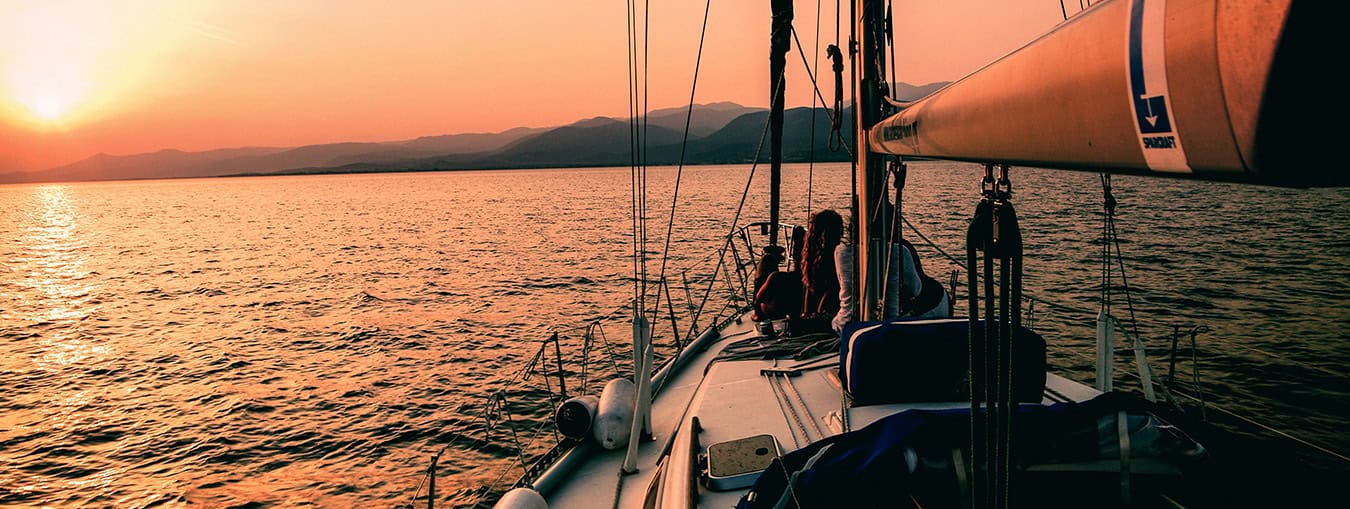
(735, 399)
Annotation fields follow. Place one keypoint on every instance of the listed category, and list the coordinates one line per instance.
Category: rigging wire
(1210, 404)
(811, 168)
(638, 177)
(853, 95)
(679, 171)
(1108, 209)
(632, 140)
(639, 104)
(959, 264)
(1083, 311)
(646, 67)
(1120, 260)
(739, 207)
(1285, 434)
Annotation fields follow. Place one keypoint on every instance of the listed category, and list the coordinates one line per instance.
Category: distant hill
(706, 118)
(600, 141)
(718, 133)
(468, 143)
(737, 142)
(907, 92)
(604, 141)
(175, 163)
(163, 164)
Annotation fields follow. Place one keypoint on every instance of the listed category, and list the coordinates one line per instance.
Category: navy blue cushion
(924, 360)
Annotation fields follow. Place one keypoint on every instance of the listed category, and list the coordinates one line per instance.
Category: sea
(312, 341)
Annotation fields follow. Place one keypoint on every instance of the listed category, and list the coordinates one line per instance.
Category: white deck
(736, 401)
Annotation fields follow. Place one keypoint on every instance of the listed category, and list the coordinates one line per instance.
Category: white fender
(614, 416)
(576, 415)
(521, 498)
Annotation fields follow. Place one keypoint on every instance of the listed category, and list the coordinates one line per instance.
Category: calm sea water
(311, 341)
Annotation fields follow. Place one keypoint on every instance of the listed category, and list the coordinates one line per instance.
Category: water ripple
(280, 342)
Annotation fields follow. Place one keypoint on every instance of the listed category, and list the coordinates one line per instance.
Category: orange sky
(129, 76)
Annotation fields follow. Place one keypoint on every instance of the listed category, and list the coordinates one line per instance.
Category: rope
(977, 446)
(890, 43)
(843, 411)
(783, 406)
(805, 409)
(811, 74)
(797, 347)
(618, 489)
(994, 231)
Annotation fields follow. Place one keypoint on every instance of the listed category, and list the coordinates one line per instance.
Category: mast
(869, 69)
(780, 37)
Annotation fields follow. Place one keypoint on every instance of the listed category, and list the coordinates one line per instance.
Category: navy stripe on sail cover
(1151, 111)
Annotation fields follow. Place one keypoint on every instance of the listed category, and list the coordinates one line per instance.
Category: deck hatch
(735, 464)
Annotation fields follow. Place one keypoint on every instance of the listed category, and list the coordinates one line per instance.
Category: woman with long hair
(819, 276)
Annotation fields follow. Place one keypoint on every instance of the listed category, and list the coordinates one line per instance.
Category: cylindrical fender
(614, 416)
(521, 498)
(576, 415)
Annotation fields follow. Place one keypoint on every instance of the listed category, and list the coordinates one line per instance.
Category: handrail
(740, 242)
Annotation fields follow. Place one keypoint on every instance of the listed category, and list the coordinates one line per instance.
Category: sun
(51, 53)
(65, 64)
(54, 99)
(48, 107)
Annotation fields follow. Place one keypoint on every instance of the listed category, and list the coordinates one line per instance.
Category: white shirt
(900, 258)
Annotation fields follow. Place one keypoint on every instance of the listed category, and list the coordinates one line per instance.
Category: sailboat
(947, 412)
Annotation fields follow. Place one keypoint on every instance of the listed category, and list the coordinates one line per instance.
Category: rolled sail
(1212, 89)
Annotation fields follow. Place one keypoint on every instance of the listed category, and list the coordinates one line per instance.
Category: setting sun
(45, 74)
(48, 107)
(66, 64)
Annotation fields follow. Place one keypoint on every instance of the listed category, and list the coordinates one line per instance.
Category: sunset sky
(130, 76)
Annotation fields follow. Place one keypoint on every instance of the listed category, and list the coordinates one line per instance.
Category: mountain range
(718, 133)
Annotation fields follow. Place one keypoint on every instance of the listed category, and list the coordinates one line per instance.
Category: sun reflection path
(51, 287)
(52, 257)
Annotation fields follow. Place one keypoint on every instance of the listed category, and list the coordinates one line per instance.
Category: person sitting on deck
(778, 294)
(819, 275)
(909, 291)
